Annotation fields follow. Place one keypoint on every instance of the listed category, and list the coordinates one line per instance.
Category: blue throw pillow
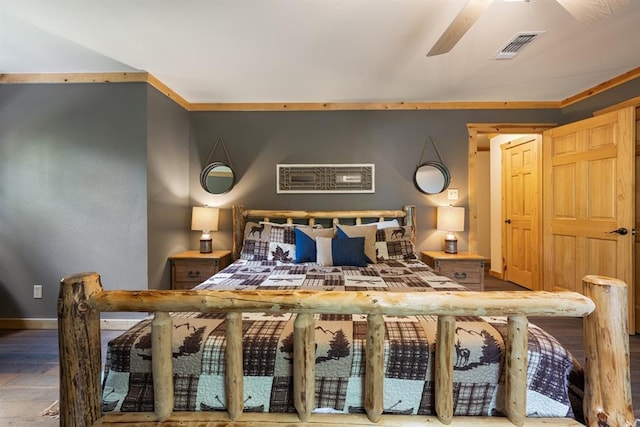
(367, 231)
(305, 247)
(341, 251)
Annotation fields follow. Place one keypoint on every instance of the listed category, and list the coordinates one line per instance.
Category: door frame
(474, 130)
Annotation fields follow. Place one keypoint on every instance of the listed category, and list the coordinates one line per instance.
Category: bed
(336, 339)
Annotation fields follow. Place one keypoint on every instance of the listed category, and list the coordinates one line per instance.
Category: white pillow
(387, 224)
(292, 224)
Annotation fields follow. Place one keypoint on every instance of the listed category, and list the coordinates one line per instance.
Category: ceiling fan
(586, 11)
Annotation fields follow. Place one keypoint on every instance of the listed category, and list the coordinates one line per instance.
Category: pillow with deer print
(395, 243)
(263, 241)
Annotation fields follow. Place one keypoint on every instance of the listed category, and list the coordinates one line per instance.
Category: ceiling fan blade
(590, 11)
(459, 26)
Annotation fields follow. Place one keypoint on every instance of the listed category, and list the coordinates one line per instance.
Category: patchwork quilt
(554, 378)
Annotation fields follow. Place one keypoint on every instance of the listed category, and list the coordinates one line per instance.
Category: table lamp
(205, 219)
(450, 219)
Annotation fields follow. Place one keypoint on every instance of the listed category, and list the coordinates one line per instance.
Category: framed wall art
(325, 178)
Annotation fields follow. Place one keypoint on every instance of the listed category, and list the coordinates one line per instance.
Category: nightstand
(190, 268)
(463, 267)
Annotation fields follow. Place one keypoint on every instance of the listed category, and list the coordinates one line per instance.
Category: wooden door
(521, 211)
(588, 181)
(637, 224)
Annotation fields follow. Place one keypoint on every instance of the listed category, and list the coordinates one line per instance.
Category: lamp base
(206, 246)
(450, 246)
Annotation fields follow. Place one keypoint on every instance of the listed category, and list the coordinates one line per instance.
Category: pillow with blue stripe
(367, 231)
(341, 251)
(306, 242)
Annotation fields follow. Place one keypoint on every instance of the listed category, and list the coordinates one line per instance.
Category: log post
(516, 369)
(374, 368)
(162, 364)
(238, 224)
(79, 346)
(234, 366)
(444, 368)
(411, 219)
(607, 400)
(304, 365)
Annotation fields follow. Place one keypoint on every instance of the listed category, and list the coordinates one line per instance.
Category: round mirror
(217, 178)
(432, 178)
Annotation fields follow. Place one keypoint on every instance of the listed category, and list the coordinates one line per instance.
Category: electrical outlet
(452, 194)
(37, 291)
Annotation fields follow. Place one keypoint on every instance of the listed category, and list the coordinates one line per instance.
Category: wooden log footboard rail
(81, 299)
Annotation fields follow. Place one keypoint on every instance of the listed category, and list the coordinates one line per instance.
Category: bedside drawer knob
(194, 274)
(460, 275)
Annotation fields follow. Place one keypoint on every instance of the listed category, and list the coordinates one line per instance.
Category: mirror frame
(210, 167)
(439, 167)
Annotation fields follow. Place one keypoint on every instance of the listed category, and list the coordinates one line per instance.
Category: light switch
(452, 194)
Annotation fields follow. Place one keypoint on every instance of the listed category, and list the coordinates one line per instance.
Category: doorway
(497, 134)
(477, 131)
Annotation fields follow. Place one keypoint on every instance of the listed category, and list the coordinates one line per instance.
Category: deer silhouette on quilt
(462, 355)
(398, 232)
(257, 229)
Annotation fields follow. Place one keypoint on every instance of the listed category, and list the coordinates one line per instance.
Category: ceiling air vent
(517, 43)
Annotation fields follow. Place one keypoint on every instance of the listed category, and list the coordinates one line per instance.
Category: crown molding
(144, 77)
(168, 92)
(129, 77)
(604, 86)
(134, 77)
(379, 106)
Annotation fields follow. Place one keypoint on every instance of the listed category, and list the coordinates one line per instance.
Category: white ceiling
(211, 51)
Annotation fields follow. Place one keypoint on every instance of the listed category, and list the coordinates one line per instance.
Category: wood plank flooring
(29, 372)
(29, 365)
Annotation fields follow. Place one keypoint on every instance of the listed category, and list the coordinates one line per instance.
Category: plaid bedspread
(199, 347)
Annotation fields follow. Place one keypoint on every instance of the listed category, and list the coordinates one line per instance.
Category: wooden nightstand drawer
(461, 271)
(465, 268)
(190, 268)
(198, 271)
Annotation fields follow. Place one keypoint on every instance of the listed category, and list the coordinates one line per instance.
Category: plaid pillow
(268, 242)
(395, 243)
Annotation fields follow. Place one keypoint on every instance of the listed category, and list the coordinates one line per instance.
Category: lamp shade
(204, 218)
(450, 218)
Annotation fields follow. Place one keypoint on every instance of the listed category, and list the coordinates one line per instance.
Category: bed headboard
(406, 216)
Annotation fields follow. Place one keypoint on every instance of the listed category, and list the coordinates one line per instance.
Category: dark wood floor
(29, 365)
(29, 376)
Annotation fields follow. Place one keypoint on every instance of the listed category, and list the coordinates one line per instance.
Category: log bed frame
(607, 400)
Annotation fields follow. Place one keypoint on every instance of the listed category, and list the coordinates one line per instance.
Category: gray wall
(392, 140)
(73, 184)
(168, 206)
(101, 177)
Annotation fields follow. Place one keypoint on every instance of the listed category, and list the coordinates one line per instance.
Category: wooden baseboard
(496, 274)
(45, 323)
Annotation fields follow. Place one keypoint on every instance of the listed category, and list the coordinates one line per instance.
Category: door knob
(508, 221)
(621, 231)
